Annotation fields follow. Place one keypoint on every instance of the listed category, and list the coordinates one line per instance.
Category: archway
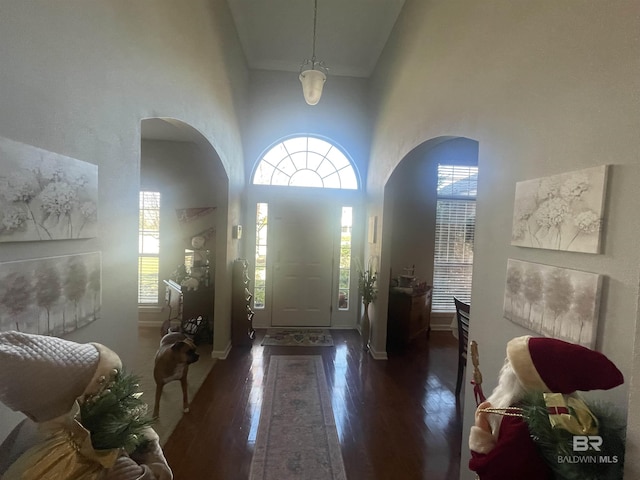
(180, 164)
(409, 211)
(304, 195)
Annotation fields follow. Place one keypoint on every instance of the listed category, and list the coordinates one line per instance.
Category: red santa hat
(43, 376)
(552, 365)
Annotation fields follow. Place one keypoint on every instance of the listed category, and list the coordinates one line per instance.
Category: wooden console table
(409, 315)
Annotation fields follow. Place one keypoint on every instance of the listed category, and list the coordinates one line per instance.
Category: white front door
(303, 234)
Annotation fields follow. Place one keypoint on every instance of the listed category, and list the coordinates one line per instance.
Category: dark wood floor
(396, 419)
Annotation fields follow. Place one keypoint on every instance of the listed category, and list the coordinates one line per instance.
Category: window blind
(149, 248)
(455, 230)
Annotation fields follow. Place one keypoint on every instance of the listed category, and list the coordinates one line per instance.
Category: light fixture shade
(312, 83)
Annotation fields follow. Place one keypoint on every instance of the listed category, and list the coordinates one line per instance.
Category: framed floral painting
(44, 195)
(561, 212)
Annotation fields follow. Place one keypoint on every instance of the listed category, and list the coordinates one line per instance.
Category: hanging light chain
(315, 65)
(315, 19)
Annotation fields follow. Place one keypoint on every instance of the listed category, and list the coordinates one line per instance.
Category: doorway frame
(352, 198)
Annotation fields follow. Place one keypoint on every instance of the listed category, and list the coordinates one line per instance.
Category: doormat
(306, 337)
(297, 436)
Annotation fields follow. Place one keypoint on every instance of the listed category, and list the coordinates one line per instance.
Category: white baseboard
(441, 328)
(149, 323)
(222, 354)
(378, 355)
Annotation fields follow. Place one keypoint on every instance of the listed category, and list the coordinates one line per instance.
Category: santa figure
(53, 381)
(501, 443)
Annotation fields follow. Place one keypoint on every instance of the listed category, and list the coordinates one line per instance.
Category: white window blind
(149, 248)
(455, 229)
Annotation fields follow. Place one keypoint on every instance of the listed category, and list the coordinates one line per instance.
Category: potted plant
(367, 289)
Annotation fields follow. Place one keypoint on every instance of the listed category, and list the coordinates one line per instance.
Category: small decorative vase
(365, 328)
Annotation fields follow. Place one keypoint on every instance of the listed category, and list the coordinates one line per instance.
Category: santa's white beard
(507, 393)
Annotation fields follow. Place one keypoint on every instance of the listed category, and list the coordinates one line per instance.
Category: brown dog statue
(172, 362)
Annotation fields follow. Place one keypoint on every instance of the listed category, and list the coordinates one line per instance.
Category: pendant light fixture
(313, 74)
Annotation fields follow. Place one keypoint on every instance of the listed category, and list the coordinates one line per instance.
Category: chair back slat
(463, 331)
(463, 324)
(462, 319)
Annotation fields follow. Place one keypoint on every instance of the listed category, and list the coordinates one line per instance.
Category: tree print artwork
(45, 196)
(555, 302)
(561, 212)
(50, 296)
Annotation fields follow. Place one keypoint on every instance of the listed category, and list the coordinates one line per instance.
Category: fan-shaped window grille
(306, 162)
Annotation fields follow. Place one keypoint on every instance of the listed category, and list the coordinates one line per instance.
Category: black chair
(462, 318)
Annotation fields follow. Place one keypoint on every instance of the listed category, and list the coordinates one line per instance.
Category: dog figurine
(176, 353)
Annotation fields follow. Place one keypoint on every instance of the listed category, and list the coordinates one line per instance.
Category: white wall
(278, 109)
(545, 87)
(78, 77)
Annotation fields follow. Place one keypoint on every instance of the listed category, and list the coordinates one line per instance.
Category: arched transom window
(306, 162)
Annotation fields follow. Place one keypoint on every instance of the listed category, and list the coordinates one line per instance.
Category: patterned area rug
(297, 436)
(306, 337)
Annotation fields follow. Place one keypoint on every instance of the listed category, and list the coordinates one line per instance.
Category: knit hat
(42, 376)
(552, 365)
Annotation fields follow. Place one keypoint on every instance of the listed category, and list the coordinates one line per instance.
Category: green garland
(116, 417)
(556, 444)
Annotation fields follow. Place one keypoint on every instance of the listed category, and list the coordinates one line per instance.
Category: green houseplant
(367, 284)
(367, 289)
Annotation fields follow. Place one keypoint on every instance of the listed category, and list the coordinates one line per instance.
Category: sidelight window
(344, 279)
(260, 274)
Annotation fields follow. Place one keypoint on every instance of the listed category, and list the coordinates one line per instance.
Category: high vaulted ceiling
(278, 35)
(350, 34)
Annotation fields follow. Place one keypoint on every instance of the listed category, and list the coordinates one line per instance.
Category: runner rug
(306, 337)
(297, 436)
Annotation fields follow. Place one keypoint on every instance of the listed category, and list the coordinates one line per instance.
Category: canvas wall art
(186, 215)
(44, 195)
(553, 301)
(50, 296)
(561, 212)
(198, 222)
